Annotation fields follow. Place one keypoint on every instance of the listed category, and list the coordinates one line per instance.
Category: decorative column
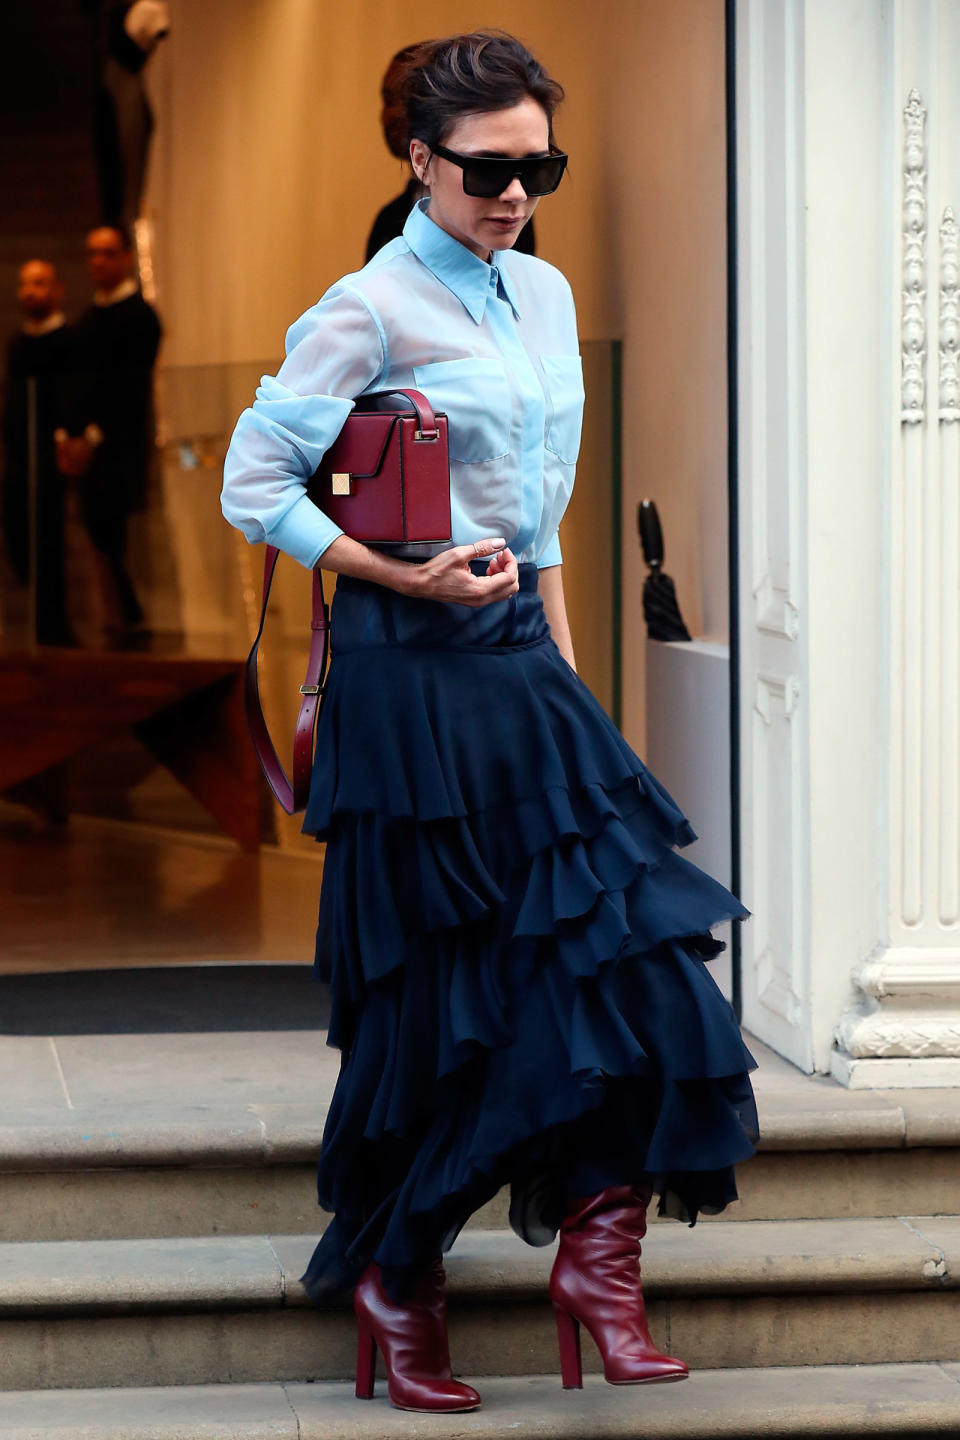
(904, 1029)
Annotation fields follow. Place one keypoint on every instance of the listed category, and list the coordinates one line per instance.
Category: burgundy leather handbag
(386, 482)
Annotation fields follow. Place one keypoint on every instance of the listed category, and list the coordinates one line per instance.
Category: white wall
(847, 112)
(851, 197)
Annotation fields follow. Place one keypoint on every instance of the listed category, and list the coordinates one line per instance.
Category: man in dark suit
(33, 489)
(115, 343)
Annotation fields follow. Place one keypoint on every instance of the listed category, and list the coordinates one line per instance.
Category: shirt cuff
(551, 555)
(304, 532)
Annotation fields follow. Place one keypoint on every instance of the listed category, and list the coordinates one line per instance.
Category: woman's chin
(503, 237)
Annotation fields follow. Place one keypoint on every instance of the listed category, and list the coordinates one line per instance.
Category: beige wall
(667, 252)
(269, 162)
(269, 166)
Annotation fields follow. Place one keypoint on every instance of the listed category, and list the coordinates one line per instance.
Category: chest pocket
(476, 398)
(563, 380)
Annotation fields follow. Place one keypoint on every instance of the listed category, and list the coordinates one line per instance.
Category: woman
(514, 951)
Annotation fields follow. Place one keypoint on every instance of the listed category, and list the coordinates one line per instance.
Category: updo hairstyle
(473, 74)
(393, 93)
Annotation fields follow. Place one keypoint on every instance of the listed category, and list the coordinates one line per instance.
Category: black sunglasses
(487, 177)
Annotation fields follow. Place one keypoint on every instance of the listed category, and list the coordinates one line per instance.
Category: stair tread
(868, 1400)
(134, 1135)
(256, 1271)
(50, 1137)
(195, 1097)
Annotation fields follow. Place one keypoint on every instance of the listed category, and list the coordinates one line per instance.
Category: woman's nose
(514, 192)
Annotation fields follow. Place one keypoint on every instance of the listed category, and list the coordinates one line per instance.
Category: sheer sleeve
(334, 352)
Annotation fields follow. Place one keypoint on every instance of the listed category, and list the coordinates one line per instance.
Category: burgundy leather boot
(413, 1341)
(596, 1282)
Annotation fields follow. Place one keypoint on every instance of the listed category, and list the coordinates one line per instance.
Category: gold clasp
(340, 483)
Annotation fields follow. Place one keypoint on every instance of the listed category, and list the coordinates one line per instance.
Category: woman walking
(515, 953)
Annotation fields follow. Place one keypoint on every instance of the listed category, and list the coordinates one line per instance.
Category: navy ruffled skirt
(515, 952)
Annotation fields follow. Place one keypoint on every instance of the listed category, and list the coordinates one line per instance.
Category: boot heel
(568, 1338)
(366, 1362)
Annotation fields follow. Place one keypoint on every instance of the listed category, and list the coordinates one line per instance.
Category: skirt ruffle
(515, 952)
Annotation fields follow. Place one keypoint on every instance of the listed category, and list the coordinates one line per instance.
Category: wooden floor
(98, 894)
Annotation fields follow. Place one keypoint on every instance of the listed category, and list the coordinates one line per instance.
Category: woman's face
(483, 225)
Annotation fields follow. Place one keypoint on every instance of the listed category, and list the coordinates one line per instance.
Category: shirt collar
(465, 274)
(55, 321)
(123, 291)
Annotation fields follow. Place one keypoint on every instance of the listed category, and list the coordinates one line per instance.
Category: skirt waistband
(365, 615)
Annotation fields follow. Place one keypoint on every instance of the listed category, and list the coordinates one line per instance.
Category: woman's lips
(506, 222)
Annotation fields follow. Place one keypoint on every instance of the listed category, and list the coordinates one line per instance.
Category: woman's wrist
(349, 557)
(401, 575)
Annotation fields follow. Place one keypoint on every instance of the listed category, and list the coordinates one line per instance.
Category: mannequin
(129, 32)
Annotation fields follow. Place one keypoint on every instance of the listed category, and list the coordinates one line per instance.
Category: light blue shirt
(492, 345)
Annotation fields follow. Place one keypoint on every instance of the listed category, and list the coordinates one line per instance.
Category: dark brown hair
(393, 92)
(470, 74)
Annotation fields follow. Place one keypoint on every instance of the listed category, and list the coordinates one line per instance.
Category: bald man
(37, 358)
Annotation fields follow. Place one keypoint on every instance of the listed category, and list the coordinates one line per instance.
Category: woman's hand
(448, 576)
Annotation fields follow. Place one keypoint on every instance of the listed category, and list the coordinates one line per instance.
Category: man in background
(33, 489)
(115, 343)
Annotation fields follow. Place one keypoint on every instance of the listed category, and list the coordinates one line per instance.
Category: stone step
(231, 1309)
(908, 1401)
(123, 1171)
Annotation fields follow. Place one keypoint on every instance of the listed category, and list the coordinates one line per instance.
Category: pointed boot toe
(644, 1368)
(430, 1395)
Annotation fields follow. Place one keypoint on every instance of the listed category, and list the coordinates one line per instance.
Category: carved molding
(775, 991)
(776, 613)
(915, 1034)
(778, 943)
(949, 318)
(913, 296)
(785, 688)
(924, 974)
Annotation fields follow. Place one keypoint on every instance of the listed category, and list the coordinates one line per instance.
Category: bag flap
(361, 445)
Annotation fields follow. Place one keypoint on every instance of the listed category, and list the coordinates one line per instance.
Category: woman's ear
(420, 159)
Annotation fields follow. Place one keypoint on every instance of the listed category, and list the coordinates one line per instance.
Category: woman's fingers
(448, 576)
(476, 550)
(501, 561)
(503, 583)
(485, 547)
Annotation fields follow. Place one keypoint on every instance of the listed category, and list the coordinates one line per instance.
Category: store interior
(266, 168)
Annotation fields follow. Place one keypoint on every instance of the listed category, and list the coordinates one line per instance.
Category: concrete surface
(231, 1309)
(776, 1404)
(135, 1094)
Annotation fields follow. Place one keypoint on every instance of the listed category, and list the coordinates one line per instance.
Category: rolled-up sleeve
(551, 554)
(334, 352)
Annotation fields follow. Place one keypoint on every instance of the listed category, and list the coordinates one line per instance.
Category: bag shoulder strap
(292, 797)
